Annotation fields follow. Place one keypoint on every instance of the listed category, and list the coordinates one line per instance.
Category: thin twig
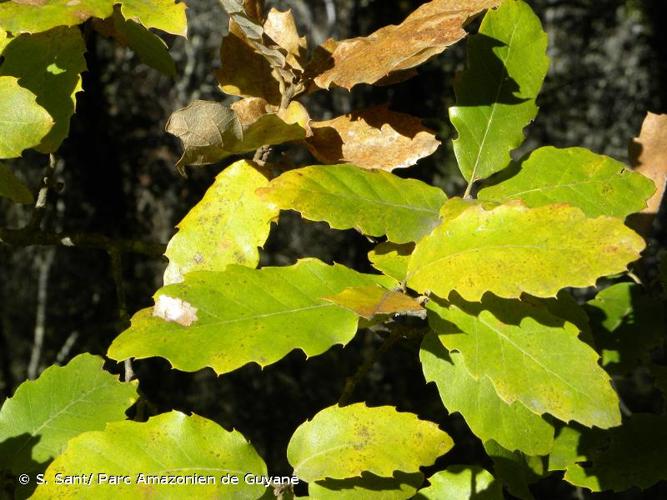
(123, 315)
(27, 237)
(351, 382)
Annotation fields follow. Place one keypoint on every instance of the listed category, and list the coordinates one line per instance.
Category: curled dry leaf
(648, 154)
(426, 32)
(281, 28)
(175, 310)
(211, 131)
(375, 138)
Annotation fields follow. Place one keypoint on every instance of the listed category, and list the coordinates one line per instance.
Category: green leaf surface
(227, 319)
(23, 122)
(515, 469)
(392, 259)
(43, 15)
(628, 323)
(170, 444)
(462, 482)
(513, 426)
(495, 95)
(618, 459)
(12, 187)
(512, 344)
(226, 227)
(49, 65)
(368, 487)
(597, 184)
(342, 442)
(566, 449)
(44, 414)
(374, 202)
(512, 249)
(149, 48)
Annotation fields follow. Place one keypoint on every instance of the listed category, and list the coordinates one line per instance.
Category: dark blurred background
(608, 68)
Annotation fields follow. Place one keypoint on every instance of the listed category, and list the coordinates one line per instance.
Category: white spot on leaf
(175, 310)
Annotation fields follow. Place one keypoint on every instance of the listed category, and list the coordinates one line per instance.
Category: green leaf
(495, 95)
(597, 184)
(392, 259)
(515, 469)
(11, 187)
(566, 449)
(148, 47)
(462, 482)
(514, 426)
(225, 227)
(211, 131)
(43, 15)
(49, 65)
(618, 459)
(188, 448)
(512, 344)
(342, 442)
(372, 201)
(628, 324)
(241, 315)
(44, 414)
(23, 122)
(542, 249)
(368, 487)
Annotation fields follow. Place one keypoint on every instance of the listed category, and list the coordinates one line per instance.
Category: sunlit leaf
(23, 122)
(392, 259)
(373, 300)
(372, 138)
(44, 414)
(597, 184)
(512, 249)
(462, 482)
(511, 343)
(514, 426)
(495, 95)
(226, 227)
(49, 65)
(34, 16)
(343, 442)
(373, 202)
(426, 32)
(246, 315)
(10, 185)
(195, 451)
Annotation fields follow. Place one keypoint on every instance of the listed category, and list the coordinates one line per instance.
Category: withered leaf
(648, 154)
(375, 138)
(281, 28)
(254, 8)
(426, 32)
(244, 72)
(211, 131)
(373, 300)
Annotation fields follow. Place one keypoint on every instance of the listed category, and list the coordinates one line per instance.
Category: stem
(364, 368)
(124, 317)
(468, 193)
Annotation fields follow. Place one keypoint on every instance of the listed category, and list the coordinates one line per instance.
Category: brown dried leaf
(426, 32)
(281, 28)
(648, 154)
(372, 138)
(244, 72)
(211, 131)
(254, 8)
(370, 301)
